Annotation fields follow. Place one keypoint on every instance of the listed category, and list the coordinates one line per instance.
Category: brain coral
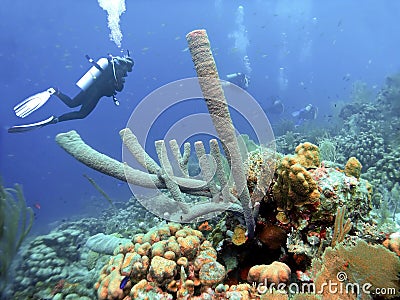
(307, 155)
(274, 273)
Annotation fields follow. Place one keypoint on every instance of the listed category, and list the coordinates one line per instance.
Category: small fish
(37, 206)
(124, 281)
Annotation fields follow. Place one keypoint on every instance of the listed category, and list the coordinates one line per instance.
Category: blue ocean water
(302, 52)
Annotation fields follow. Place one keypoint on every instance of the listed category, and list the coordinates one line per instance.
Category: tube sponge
(206, 69)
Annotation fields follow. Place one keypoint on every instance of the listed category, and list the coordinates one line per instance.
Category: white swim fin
(28, 106)
(29, 127)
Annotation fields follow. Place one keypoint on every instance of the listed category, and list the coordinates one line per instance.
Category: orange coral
(362, 264)
(205, 226)
(189, 246)
(274, 273)
(186, 290)
(153, 263)
(109, 287)
(353, 167)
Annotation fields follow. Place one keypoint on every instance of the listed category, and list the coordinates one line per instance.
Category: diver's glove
(29, 105)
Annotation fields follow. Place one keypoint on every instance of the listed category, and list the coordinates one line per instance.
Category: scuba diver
(307, 113)
(277, 107)
(240, 79)
(104, 79)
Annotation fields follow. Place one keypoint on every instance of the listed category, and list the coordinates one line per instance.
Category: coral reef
(60, 265)
(358, 264)
(307, 199)
(310, 225)
(51, 259)
(171, 257)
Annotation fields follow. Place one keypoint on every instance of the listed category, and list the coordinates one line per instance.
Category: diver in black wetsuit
(307, 113)
(107, 85)
(105, 78)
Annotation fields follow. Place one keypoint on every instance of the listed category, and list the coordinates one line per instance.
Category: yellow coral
(294, 187)
(353, 167)
(308, 155)
(162, 270)
(189, 246)
(239, 235)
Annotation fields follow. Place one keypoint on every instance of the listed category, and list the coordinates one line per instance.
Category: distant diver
(240, 79)
(277, 107)
(104, 79)
(309, 112)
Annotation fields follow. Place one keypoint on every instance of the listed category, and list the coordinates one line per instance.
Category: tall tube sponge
(199, 46)
(114, 8)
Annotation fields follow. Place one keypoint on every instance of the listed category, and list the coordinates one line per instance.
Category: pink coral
(274, 273)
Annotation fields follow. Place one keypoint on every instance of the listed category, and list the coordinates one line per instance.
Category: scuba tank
(232, 76)
(94, 72)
